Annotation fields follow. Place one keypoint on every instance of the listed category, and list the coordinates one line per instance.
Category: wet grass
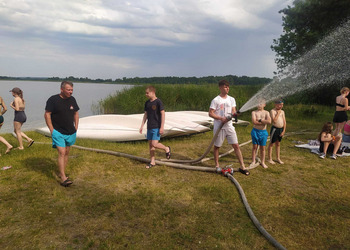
(116, 203)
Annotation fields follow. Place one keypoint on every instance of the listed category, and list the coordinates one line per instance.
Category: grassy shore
(176, 97)
(116, 203)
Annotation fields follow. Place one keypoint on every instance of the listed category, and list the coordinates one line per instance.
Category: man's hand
(223, 119)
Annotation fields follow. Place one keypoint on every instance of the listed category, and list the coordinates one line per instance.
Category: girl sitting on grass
(328, 142)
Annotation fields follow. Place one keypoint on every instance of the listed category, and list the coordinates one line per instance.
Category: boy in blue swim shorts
(260, 119)
(155, 117)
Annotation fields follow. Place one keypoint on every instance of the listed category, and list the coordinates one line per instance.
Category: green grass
(116, 203)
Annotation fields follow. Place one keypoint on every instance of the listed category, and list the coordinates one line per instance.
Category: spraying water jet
(326, 63)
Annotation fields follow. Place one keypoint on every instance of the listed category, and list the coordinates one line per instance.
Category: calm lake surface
(36, 94)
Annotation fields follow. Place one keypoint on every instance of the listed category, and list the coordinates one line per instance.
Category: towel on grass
(314, 146)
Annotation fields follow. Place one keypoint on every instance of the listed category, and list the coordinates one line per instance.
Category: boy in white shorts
(222, 106)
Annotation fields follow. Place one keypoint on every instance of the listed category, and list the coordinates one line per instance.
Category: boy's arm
(161, 130)
(267, 118)
(274, 115)
(254, 121)
(284, 124)
(233, 111)
(143, 121)
(216, 117)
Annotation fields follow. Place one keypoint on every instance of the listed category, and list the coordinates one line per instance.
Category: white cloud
(115, 32)
(181, 20)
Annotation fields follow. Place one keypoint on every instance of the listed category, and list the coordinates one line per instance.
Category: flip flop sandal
(150, 166)
(244, 171)
(30, 143)
(168, 155)
(66, 183)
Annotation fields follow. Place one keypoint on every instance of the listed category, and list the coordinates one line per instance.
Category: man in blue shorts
(155, 116)
(62, 118)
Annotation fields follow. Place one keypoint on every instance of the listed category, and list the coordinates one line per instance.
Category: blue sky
(115, 39)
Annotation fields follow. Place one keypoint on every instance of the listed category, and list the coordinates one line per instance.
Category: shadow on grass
(44, 165)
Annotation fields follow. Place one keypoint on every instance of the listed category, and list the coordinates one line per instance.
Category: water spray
(326, 63)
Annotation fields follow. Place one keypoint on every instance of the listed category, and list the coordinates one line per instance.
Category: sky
(111, 39)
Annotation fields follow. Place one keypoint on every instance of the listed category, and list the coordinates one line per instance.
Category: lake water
(36, 93)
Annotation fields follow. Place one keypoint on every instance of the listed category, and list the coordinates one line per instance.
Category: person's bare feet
(271, 162)
(263, 165)
(279, 161)
(8, 150)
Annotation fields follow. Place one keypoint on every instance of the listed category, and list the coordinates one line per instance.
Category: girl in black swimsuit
(18, 105)
(340, 116)
(3, 110)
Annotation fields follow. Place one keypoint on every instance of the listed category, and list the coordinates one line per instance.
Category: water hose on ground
(141, 159)
(227, 172)
(257, 224)
(201, 157)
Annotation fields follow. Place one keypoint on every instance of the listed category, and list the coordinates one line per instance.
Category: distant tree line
(238, 80)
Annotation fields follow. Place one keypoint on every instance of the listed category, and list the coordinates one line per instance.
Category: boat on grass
(123, 128)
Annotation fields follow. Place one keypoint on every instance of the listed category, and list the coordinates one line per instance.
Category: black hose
(197, 168)
(201, 157)
(252, 216)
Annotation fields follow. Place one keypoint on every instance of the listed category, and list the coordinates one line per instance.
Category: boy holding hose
(222, 106)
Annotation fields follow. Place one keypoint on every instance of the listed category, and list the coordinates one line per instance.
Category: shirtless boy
(278, 130)
(260, 119)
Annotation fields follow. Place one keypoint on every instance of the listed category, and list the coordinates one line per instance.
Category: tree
(306, 23)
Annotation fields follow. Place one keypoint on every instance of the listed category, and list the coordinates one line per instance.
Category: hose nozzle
(235, 116)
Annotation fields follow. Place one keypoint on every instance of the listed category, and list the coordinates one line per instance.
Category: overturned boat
(126, 127)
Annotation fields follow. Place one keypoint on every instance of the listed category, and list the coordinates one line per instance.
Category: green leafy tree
(304, 24)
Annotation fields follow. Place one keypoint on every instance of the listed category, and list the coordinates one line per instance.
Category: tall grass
(175, 97)
(198, 97)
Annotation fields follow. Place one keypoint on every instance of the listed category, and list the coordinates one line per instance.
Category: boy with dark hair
(222, 106)
(155, 116)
